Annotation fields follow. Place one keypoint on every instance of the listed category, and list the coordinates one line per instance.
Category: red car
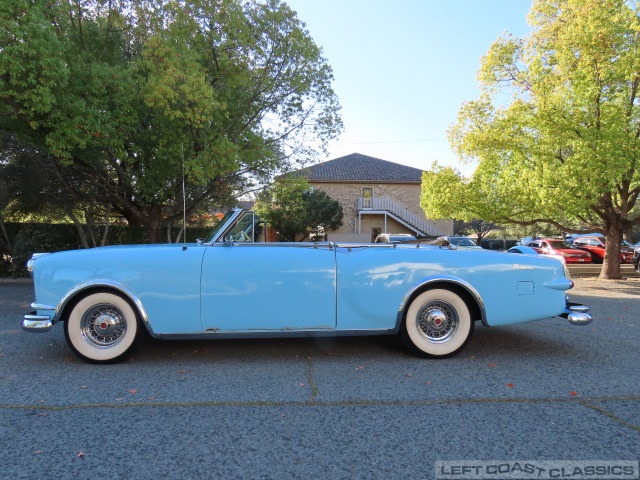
(596, 247)
(552, 246)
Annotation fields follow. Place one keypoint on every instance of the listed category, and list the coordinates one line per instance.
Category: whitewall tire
(437, 324)
(102, 327)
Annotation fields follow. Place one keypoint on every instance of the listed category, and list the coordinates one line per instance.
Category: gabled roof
(360, 168)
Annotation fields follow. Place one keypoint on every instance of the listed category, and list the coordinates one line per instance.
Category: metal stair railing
(387, 205)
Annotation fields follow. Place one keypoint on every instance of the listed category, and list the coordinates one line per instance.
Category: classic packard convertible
(232, 286)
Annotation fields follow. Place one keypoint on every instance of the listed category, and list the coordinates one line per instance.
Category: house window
(367, 198)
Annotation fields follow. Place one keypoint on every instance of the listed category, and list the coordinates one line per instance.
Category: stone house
(377, 196)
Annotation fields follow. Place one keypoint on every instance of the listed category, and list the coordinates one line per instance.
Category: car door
(268, 287)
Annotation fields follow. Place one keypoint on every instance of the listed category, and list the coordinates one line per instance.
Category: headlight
(33, 259)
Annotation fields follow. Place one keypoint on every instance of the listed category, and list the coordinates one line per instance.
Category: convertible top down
(231, 285)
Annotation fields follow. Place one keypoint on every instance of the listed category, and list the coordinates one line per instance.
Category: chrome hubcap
(437, 321)
(103, 325)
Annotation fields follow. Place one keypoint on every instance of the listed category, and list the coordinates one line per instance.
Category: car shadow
(485, 342)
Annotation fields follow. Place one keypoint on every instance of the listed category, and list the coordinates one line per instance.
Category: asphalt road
(349, 408)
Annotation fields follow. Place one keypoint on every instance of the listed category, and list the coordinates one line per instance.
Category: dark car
(596, 246)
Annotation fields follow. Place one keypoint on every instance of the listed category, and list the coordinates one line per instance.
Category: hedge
(28, 238)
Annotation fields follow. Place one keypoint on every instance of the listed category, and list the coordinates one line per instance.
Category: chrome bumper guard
(578, 315)
(36, 323)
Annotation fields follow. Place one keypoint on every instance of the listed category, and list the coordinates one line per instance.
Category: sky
(403, 68)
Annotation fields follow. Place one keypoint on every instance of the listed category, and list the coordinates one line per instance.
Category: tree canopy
(556, 131)
(113, 95)
(296, 211)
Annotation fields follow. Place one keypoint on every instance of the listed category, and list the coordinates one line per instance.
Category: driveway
(348, 408)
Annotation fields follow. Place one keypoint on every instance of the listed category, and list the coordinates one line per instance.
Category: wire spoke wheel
(102, 327)
(437, 324)
(437, 321)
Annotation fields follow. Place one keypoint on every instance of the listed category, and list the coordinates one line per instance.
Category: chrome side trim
(441, 279)
(103, 283)
(273, 334)
(41, 306)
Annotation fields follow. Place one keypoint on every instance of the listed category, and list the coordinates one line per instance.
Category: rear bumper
(577, 314)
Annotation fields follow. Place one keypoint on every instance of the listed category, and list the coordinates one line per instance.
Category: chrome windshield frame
(219, 233)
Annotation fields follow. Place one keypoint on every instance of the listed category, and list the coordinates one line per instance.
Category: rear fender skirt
(444, 281)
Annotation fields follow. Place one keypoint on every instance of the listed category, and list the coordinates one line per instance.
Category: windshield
(219, 225)
(242, 230)
(559, 245)
(401, 238)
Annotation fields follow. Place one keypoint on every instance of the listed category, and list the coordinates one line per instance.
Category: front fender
(102, 284)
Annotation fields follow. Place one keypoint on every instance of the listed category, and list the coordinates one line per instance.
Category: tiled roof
(360, 168)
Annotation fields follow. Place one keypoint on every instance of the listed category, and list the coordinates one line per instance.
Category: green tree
(296, 211)
(562, 149)
(480, 227)
(118, 93)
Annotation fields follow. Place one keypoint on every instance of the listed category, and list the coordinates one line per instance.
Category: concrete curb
(594, 270)
(15, 280)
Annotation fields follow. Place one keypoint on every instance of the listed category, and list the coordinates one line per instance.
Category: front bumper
(36, 323)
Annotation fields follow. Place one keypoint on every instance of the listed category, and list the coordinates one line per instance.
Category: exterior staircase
(385, 206)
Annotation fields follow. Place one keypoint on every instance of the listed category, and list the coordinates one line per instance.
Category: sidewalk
(594, 270)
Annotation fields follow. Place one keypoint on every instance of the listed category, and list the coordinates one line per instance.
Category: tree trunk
(611, 263)
(107, 218)
(4, 233)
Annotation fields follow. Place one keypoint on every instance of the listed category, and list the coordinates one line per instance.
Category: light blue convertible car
(231, 285)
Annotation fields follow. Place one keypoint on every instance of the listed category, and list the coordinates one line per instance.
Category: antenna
(184, 205)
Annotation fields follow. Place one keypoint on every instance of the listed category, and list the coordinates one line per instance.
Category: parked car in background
(554, 246)
(462, 242)
(232, 286)
(525, 241)
(596, 246)
(394, 238)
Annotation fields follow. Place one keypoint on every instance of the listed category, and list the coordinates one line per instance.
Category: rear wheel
(437, 324)
(102, 327)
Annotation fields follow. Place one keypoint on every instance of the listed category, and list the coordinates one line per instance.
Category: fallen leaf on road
(80, 454)
(510, 385)
(133, 392)
(573, 393)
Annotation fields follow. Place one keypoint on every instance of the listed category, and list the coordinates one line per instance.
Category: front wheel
(102, 327)
(437, 324)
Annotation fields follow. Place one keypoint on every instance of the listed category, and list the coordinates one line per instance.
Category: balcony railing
(384, 204)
